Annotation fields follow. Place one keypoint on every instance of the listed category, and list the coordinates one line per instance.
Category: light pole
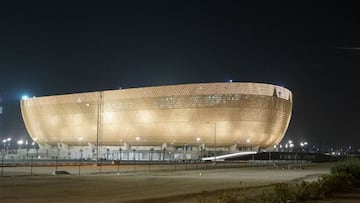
(20, 143)
(215, 142)
(164, 151)
(107, 153)
(151, 152)
(99, 123)
(27, 148)
(120, 153)
(2, 164)
(199, 147)
(303, 145)
(248, 143)
(4, 145)
(215, 152)
(137, 141)
(291, 145)
(8, 146)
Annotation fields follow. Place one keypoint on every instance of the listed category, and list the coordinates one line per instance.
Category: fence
(33, 166)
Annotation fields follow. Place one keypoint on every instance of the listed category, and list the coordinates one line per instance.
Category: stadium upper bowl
(209, 114)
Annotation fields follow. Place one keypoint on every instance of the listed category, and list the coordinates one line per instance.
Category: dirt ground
(142, 186)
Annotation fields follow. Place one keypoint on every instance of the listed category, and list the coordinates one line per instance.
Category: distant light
(20, 142)
(137, 138)
(197, 139)
(24, 97)
(230, 80)
(9, 139)
(248, 140)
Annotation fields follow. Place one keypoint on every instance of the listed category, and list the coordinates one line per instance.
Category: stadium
(185, 121)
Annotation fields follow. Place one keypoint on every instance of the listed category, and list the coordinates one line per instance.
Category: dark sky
(59, 47)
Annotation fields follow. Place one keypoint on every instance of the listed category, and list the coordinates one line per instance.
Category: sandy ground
(144, 184)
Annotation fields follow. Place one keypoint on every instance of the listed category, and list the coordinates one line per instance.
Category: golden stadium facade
(223, 115)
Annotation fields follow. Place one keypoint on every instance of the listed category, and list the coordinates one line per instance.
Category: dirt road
(125, 187)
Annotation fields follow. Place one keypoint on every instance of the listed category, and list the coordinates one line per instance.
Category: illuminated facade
(204, 116)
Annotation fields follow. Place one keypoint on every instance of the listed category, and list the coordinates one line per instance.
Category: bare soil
(144, 186)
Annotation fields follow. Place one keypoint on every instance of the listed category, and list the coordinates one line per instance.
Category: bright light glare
(24, 97)
(20, 142)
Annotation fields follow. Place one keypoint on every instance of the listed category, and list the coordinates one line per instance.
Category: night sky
(60, 47)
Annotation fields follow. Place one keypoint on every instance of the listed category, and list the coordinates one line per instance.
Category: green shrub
(338, 182)
(351, 167)
(325, 185)
(284, 193)
(344, 175)
(310, 191)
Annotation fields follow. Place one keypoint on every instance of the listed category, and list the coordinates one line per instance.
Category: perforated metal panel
(192, 114)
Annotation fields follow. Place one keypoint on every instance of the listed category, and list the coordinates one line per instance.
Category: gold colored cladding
(177, 114)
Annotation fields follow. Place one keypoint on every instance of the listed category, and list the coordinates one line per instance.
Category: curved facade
(207, 114)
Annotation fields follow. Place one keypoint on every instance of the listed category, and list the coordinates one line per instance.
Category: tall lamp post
(215, 152)
(4, 145)
(8, 145)
(27, 148)
(20, 143)
(248, 143)
(291, 145)
(199, 147)
(303, 145)
(99, 126)
(215, 142)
